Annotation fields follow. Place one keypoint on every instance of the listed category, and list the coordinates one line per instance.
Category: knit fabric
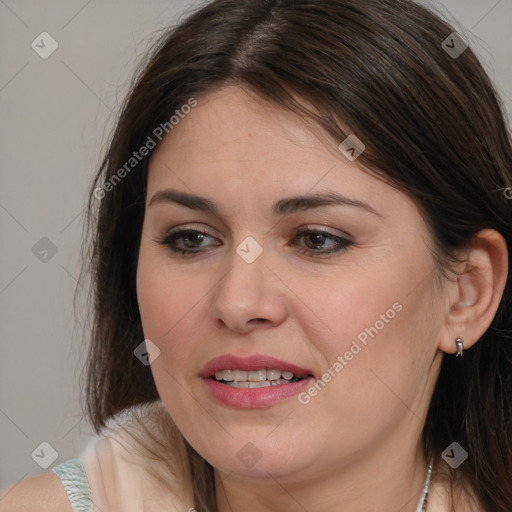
(75, 482)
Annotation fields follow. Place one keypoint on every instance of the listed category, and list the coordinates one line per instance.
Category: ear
(476, 294)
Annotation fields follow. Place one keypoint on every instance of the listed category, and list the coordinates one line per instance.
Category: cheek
(153, 295)
(167, 313)
(359, 306)
(172, 305)
(163, 293)
(376, 333)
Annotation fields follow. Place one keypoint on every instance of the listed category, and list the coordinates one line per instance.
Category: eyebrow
(282, 207)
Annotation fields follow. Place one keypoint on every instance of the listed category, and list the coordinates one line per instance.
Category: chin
(262, 459)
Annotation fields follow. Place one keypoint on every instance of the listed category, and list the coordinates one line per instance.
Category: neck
(394, 478)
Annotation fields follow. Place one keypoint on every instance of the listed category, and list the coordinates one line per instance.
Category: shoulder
(138, 463)
(40, 493)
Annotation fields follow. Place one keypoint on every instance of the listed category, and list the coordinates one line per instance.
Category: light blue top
(74, 478)
(75, 482)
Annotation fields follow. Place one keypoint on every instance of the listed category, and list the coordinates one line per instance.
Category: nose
(249, 295)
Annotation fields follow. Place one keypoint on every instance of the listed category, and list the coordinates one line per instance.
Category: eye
(189, 241)
(190, 238)
(317, 240)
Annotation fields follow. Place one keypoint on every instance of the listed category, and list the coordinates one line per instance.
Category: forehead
(236, 146)
(232, 123)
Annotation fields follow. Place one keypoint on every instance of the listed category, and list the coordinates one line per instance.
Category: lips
(253, 382)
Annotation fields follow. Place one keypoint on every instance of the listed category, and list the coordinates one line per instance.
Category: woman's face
(335, 288)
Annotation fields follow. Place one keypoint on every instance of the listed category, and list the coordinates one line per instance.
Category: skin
(357, 442)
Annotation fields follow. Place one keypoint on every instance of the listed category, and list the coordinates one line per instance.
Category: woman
(300, 259)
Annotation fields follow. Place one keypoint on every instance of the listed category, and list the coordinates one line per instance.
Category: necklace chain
(422, 505)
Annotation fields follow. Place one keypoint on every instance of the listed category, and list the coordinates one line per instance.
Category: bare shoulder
(40, 493)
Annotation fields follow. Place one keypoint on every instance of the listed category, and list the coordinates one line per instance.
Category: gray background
(56, 114)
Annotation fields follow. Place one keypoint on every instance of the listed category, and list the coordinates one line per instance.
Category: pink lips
(253, 398)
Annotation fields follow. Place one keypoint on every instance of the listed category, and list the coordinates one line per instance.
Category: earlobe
(477, 292)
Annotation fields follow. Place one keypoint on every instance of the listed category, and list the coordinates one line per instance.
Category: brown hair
(433, 126)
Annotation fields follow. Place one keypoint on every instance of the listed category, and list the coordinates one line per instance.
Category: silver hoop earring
(460, 347)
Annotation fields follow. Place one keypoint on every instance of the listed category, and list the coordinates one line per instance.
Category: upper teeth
(252, 376)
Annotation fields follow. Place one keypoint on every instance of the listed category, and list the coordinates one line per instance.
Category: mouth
(255, 381)
(256, 378)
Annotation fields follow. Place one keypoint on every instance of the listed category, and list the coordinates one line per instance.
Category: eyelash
(171, 238)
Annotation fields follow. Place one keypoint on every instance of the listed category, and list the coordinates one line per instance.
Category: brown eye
(317, 242)
(185, 241)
